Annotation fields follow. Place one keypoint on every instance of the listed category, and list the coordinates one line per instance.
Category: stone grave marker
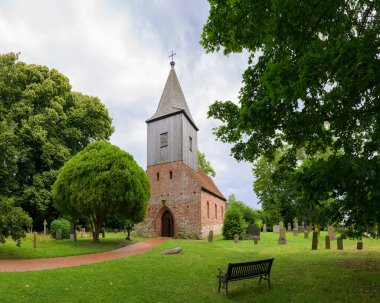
(103, 232)
(256, 241)
(305, 234)
(282, 237)
(58, 234)
(236, 238)
(339, 243)
(331, 232)
(45, 223)
(309, 228)
(295, 224)
(276, 228)
(250, 231)
(264, 228)
(295, 232)
(327, 242)
(34, 240)
(256, 232)
(314, 244)
(281, 224)
(359, 245)
(318, 229)
(210, 236)
(289, 226)
(72, 232)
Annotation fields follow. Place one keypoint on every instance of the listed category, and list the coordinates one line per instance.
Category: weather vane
(172, 63)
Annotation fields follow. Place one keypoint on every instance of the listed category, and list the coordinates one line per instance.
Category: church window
(158, 176)
(216, 211)
(171, 175)
(208, 210)
(164, 140)
(190, 144)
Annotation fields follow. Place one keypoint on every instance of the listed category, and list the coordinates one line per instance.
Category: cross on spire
(172, 63)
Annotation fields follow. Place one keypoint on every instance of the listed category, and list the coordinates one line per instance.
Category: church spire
(172, 100)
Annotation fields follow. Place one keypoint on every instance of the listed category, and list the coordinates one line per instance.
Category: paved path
(60, 262)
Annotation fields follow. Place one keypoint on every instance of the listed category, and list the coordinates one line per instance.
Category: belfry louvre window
(164, 140)
(190, 143)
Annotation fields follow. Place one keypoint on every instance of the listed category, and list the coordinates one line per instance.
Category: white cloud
(118, 51)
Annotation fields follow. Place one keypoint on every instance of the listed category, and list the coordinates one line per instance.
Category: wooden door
(167, 224)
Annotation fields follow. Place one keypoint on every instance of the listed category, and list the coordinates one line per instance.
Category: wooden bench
(247, 270)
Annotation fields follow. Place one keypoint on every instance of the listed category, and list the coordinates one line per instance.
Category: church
(184, 202)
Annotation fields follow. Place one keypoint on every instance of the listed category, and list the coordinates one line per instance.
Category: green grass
(48, 247)
(298, 275)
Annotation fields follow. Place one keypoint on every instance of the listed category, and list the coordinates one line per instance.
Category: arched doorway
(167, 224)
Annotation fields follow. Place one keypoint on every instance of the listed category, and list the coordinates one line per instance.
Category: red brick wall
(183, 196)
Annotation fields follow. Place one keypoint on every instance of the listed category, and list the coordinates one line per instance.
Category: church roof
(207, 183)
(172, 100)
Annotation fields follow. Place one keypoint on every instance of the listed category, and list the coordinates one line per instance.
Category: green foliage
(205, 165)
(42, 124)
(61, 224)
(13, 221)
(311, 84)
(234, 224)
(99, 182)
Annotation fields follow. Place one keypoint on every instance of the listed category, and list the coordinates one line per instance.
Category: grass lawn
(48, 247)
(298, 275)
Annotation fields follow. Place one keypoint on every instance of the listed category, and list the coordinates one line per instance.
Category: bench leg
(219, 285)
(226, 289)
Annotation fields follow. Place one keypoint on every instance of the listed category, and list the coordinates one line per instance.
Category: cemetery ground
(298, 274)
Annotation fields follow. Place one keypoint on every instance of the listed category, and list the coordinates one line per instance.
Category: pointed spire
(172, 99)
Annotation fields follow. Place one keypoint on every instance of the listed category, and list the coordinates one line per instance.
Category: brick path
(60, 262)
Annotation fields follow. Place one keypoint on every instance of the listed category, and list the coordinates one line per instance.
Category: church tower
(184, 201)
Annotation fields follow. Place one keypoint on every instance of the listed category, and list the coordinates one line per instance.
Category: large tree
(102, 181)
(43, 123)
(312, 83)
(205, 165)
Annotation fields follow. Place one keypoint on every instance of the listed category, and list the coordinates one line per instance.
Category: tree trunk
(129, 234)
(95, 234)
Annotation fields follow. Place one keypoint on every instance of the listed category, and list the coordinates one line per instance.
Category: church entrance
(167, 224)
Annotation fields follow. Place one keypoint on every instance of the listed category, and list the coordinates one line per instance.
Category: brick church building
(185, 202)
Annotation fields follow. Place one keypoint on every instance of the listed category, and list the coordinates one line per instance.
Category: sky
(119, 52)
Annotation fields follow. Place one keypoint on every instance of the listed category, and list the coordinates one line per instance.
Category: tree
(234, 224)
(42, 124)
(312, 84)
(101, 181)
(205, 165)
(13, 221)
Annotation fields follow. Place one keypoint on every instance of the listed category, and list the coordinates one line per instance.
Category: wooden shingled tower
(185, 202)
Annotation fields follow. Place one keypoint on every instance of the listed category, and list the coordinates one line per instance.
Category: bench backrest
(249, 269)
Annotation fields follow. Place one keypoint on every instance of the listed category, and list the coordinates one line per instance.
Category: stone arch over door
(166, 223)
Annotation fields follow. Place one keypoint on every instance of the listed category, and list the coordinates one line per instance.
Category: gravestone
(45, 223)
(295, 232)
(331, 232)
(34, 240)
(282, 237)
(276, 228)
(72, 232)
(327, 242)
(115, 230)
(210, 236)
(103, 232)
(256, 241)
(303, 224)
(305, 234)
(172, 251)
(359, 245)
(264, 228)
(256, 232)
(289, 226)
(301, 229)
(339, 243)
(318, 229)
(295, 225)
(236, 238)
(309, 228)
(82, 232)
(314, 244)
(281, 224)
(251, 231)
(58, 234)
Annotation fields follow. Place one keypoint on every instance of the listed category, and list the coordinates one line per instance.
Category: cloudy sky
(118, 51)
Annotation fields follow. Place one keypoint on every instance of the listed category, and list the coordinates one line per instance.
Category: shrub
(61, 224)
(234, 224)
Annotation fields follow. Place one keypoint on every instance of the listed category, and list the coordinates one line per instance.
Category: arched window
(216, 211)
(208, 210)
(158, 177)
(171, 175)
